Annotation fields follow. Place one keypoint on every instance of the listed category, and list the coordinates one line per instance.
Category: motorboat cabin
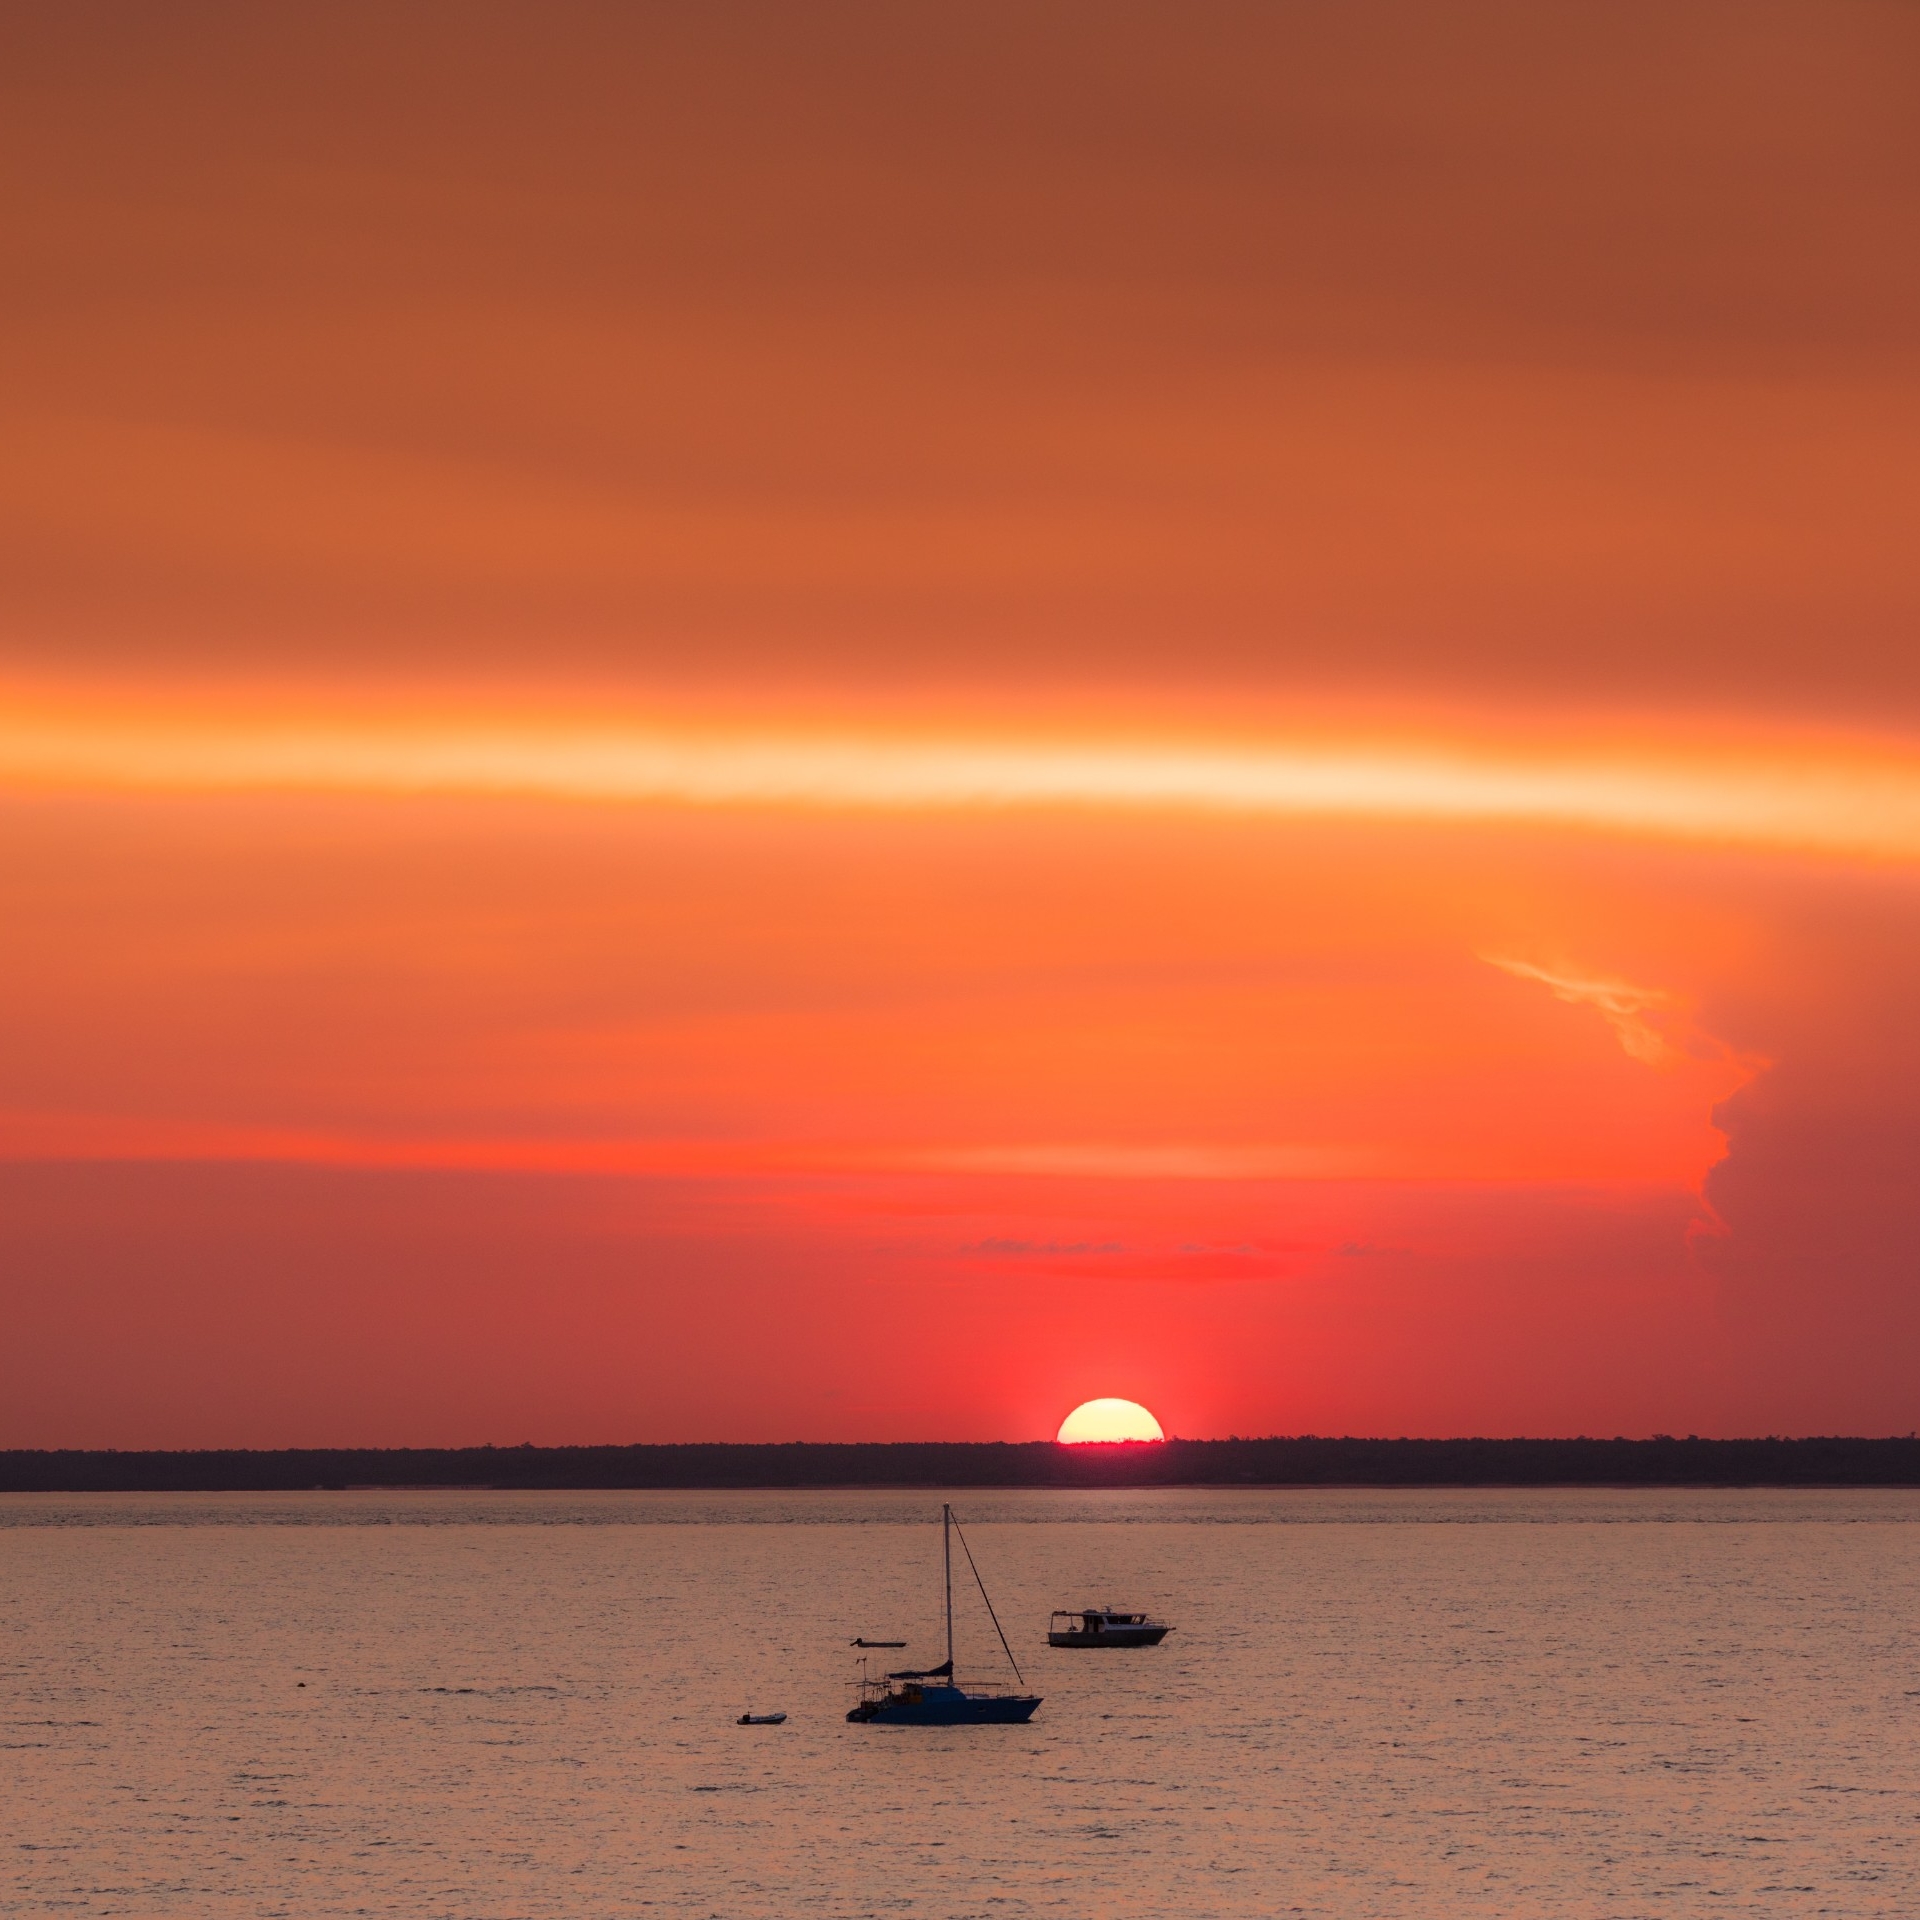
(1105, 1627)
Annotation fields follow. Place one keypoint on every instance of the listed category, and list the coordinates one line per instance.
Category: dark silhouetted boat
(931, 1696)
(1105, 1627)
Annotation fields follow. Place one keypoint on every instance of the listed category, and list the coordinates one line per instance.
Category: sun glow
(1095, 1420)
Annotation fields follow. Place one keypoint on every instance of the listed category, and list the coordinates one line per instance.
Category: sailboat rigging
(930, 1696)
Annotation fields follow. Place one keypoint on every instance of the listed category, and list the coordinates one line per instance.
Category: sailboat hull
(947, 1707)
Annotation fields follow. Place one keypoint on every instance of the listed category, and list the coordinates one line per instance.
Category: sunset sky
(850, 722)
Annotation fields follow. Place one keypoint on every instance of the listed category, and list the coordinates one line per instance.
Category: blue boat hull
(948, 1707)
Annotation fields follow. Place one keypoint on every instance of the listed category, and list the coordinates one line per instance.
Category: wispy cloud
(1623, 1006)
(1195, 1161)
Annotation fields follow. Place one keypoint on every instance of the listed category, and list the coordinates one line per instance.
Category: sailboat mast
(946, 1562)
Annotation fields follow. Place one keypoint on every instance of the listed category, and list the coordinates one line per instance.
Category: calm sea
(1421, 1704)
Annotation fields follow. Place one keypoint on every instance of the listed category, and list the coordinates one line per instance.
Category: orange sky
(736, 723)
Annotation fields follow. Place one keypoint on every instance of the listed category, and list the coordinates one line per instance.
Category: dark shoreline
(1309, 1462)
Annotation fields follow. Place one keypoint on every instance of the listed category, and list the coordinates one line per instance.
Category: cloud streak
(80, 1136)
(1824, 798)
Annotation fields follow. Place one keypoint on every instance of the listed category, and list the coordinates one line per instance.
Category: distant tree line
(1305, 1462)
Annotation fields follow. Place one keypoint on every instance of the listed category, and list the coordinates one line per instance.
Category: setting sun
(1108, 1420)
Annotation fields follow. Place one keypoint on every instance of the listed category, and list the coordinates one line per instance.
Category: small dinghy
(761, 1720)
(1105, 1627)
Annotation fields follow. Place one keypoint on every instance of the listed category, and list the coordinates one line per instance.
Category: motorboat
(932, 1696)
(1105, 1627)
(761, 1720)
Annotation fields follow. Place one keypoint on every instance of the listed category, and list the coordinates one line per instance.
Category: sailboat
(930, 1696)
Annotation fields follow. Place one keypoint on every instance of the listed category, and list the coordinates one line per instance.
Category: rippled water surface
(1374, 1705)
